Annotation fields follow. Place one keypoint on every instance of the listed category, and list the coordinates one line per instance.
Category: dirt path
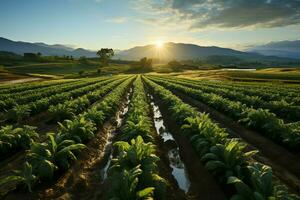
(285, 165)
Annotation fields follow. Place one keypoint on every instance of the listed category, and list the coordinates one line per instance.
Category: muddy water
(108, 145)
(178, 168)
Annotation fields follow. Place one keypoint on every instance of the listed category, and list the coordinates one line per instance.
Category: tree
(99, 70)
(175, 65)
(82, 60)
(105, 54)
(30, 56)
(146, 63)
(81, 72)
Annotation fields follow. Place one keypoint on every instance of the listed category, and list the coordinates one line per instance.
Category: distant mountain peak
(286, 48)
(178, 51)
(46, 49)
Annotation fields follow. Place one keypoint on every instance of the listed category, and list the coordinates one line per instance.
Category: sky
(122, 24)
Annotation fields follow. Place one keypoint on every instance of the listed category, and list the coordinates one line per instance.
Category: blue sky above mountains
(121, 24)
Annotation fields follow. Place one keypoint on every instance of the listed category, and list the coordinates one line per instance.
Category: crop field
(127, 137)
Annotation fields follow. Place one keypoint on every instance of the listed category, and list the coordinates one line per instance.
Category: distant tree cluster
(175, 65)
(143, 65)
(83, 60)
(146, 64)
(105, 54)
(32, 56)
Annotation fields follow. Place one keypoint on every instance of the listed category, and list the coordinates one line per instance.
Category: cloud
(117, 20)
(203, 14)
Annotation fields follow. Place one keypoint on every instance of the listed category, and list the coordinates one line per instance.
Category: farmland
(149, 136)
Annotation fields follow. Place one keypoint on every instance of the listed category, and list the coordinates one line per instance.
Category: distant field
(272, 74)
(65, 68)
(9, 77)
(52, 68)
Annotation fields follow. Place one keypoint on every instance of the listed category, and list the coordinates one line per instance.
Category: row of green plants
(20, 112)
(71, 108)
(294, 88)
(272, 93)
(20, 88)
(225, 158)
(281, 108)
(44, 86)
(265, 122)
(272, 86)
(133, 173)
(33, 96)
(45, 160)
(275, 92)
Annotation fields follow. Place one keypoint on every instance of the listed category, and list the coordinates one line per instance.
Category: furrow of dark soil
(202, 184)
(285, 164)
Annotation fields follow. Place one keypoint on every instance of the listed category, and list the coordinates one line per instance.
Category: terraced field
(149, 137)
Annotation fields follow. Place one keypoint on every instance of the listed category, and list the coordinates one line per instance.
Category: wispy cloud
(117, 20)
(205, 14)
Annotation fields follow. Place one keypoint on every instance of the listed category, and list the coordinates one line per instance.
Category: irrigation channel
(108, 146)
(178, 168)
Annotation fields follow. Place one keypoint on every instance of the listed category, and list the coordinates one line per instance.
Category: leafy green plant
(78, 129)
(136, 166)
(228, 159)
(292, 136)
(125, 185)
(203, 133)
(46, 158)
(61, 112)
(25, 177)
(12, 139)
(94, 115)
(79, 104)
(18, 113)
(181, 111)
(261, 185)
(132, 130)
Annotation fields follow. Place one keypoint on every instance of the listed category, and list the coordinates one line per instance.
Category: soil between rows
(285, 165)
(203, 186)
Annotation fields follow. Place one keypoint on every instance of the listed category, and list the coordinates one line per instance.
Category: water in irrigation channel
(178, 167)
(108, 145)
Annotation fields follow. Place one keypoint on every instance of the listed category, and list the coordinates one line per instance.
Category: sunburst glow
(159, 44)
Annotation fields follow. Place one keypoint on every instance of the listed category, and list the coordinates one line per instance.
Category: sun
(159, 44)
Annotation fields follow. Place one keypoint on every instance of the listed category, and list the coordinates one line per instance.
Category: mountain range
(169, 51)
(179, 51)
(288, 49)
(49, 50)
